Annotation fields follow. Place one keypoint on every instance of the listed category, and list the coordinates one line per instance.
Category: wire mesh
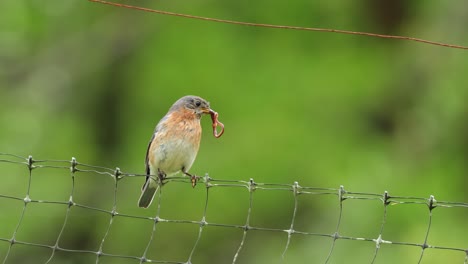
(76, 169)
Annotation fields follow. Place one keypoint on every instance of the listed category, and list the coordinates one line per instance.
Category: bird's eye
(197, 103)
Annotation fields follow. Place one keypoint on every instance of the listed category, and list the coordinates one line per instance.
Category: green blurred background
(85, 80)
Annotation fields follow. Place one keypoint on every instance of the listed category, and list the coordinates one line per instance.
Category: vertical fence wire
(75, 169)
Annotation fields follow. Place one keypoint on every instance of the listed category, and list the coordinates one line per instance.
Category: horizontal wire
(252, 186)
(212, 182)
(217, 20)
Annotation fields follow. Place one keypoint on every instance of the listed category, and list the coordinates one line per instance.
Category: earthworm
(216, 123)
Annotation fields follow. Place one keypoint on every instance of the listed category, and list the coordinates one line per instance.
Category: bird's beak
(207, 111)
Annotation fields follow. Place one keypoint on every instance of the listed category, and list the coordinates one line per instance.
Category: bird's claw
(194, 179)
(161, 177)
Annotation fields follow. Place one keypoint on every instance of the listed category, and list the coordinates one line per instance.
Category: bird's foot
(161, 177)
(193, 178)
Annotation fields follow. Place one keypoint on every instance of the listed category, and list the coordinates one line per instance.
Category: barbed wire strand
(77, 168)
(217, 20)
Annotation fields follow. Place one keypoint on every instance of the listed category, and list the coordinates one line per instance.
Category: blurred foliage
(91, 81)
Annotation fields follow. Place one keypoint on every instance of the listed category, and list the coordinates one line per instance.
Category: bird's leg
(161, 176)
(193, 178)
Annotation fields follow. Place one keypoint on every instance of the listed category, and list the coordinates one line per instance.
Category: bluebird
(174, 144)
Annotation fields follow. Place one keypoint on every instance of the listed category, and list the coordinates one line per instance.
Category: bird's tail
(147, 193)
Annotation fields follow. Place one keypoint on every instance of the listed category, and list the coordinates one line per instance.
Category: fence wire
(75, 168)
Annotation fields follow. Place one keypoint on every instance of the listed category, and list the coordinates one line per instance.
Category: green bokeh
(80, 79)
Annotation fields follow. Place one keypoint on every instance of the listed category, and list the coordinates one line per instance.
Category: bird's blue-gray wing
(148, 172)
(147, 166)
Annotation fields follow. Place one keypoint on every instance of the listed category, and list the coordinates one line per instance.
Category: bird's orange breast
(177, 142)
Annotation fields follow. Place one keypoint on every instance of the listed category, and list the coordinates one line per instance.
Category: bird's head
(193, 103)
(198, 106)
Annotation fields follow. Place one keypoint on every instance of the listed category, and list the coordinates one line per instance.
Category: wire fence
(341, 196)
